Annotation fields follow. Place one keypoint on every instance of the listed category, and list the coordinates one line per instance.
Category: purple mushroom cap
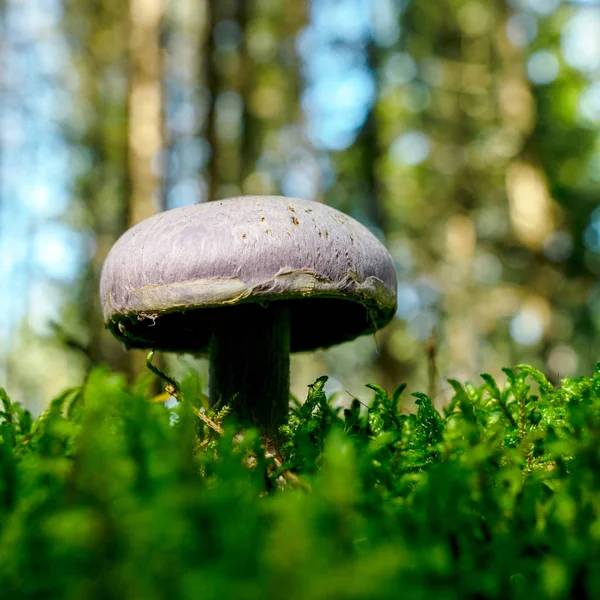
(166, 277)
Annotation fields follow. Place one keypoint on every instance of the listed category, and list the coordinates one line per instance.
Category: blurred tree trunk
(359, 192)
(145, 104)
(97, 32)
(469, 97)
(369, 147)
(232, 131)
(273, 118)
(391, 370)
(145, 123)
(250, 145)
(252, 76)
(118, 59)
(211, 81)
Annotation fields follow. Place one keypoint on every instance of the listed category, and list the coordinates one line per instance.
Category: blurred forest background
(464, 133)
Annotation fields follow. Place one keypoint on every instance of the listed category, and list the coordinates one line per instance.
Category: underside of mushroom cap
(166, 279)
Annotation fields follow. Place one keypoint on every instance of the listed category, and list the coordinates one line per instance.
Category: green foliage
(110, 494)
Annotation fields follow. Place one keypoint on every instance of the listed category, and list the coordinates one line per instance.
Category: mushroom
(247, 280)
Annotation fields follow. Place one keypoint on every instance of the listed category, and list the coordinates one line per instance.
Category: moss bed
(113, 494)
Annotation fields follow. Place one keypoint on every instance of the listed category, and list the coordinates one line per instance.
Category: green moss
(109, 495)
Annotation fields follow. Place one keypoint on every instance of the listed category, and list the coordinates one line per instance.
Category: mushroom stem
(250, 363)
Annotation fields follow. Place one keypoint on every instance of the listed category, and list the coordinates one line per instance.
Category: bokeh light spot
(411, 148)
(59, 251)
(543, 67)
(527, 327)
(422, 325)
(408, 302)
(558, 246)
(521, 29)
(186, 193)
(543, 7)
(589, 103)
(562, 361)
(399, 68)
(580, 40)
(45, 203)
(487, 268)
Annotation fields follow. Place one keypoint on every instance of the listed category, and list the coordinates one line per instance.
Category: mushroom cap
(167, 278)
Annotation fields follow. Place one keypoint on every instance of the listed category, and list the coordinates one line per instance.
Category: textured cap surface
(164, 279)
